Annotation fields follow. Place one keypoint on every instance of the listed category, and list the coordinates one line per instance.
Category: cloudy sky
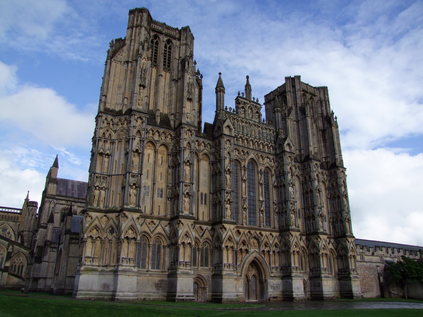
(369, 54)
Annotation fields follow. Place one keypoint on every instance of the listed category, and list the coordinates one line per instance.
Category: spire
(248, 88)
(56, 161)
(219, 84)
(52, 173)
(220, 93)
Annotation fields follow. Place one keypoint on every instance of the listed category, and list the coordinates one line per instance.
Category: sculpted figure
(132, 195)
(228, 210)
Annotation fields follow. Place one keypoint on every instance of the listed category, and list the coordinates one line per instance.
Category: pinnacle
(220, 81)
(56, 161)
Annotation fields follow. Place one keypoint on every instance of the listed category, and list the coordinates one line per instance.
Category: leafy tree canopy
(406, 269)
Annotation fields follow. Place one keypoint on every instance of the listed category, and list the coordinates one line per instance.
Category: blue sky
(369, 54)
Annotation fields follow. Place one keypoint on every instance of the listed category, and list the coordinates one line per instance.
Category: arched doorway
(200, 289)
(254, 283)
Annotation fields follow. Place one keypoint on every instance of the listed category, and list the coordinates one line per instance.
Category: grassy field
(35, 304)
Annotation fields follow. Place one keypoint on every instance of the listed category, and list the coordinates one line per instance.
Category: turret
(220, 94)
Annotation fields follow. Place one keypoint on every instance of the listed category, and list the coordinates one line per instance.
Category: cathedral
(247, 208)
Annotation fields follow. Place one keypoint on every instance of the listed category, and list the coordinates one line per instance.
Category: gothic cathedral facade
(245, 209)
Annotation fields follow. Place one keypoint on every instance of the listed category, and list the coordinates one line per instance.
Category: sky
(369, 54)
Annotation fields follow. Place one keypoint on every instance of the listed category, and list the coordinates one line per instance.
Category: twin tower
(245, 209)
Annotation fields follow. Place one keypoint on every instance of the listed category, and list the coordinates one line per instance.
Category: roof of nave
(71, 188)
(374, 243)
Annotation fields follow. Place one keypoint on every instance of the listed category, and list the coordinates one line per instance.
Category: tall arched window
(194, 256)
(143, 253)
(156, 255)
(205, 256)
(252, 193)
(154, 50)
(267, 199)
(235, 190)
(167, 55)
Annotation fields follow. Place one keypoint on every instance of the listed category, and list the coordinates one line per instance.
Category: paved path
(332, 305)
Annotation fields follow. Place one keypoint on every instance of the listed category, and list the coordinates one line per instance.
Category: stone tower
(248, 209)
(313, 192)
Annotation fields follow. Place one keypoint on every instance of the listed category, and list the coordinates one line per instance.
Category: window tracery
(17, 265)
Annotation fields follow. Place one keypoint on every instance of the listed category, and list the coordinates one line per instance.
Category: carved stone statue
(132, 195)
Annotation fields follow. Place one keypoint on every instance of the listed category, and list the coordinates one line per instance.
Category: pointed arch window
(194, 256)
(154, 50)
(267, 199)
(167, 55)
(252, 193)
(205, 256)
(156, 255)
(235, 190)
(143, 253)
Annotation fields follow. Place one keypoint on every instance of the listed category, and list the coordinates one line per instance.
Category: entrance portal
(200, 290)
(254, 283)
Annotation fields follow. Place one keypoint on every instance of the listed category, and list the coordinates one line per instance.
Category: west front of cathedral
(244, 209)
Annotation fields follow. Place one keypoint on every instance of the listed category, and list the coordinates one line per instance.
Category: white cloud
(38, 123)
(43, 113)
(7, 78)
(16, 181)
(385, 195)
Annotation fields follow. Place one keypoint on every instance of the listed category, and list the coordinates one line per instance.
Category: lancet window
(252, 193)
(194, 256)
(167, 55)
(156, 255)
(205, 256)
(143, 253)
(235, 190)
(154, 50)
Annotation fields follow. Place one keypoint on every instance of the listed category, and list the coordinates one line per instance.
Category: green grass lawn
(13, 303)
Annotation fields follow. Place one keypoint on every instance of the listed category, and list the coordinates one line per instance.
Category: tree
(405, 270)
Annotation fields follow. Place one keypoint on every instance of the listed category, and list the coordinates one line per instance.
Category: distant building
(245, 209)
